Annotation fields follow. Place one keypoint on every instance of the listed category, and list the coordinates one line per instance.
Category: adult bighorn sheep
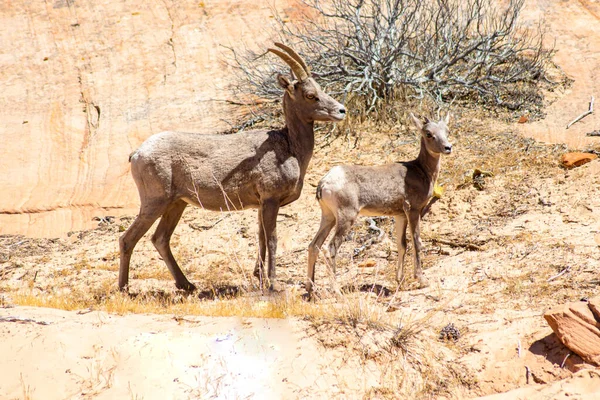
(401, 190)
(256, 169)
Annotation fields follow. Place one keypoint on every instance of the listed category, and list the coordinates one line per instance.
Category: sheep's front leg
(414, 220)
(401, 224)
(259, 271)
(270, 208)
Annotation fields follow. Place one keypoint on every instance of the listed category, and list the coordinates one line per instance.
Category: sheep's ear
(417, 122)
(286, 84)
(447, 119)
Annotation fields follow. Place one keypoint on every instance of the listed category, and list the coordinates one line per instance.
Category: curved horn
(295, 56)
(294, 65)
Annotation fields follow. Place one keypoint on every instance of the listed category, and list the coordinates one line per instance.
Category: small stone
(367, 264)
(450, 332)
(572, 160)
(523, 119)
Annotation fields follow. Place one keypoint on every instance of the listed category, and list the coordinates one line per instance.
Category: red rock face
(577, 325)
(85, 82)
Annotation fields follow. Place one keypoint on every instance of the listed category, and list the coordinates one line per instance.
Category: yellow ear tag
(438, 191)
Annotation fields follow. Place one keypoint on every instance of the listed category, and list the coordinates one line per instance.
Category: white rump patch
(335, 179)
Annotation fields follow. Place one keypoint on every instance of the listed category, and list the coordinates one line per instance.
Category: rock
(367, 264)
(594, 305)
(85, 83)
(523, 119)
(578, 328)
(572, 160)
(583, 385)
(478, 178)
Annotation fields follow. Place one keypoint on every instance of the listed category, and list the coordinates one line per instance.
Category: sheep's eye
(429, 135)
(310, 96)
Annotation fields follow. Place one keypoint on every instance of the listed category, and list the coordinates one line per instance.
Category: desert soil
(492, 259)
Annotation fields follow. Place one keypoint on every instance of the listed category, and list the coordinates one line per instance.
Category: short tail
(320, 190)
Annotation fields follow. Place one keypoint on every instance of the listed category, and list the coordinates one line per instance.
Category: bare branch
(585, 114)
(448, 49)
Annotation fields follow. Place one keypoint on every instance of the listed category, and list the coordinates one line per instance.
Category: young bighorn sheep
(256, 169)
(401, 190)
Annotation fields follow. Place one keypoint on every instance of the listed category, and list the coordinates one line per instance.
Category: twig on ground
(5, 270)
(427, 296)
(248, 103)
(288, 215)
(562, 364)
(23, 320)
(180, 319)
(519, 347)
(207, 227)
(585, 114)
(527, 374)
(593, 133)
(561, 273)
(466, 245)
(373, 226)
(249, 123)
(16, 244)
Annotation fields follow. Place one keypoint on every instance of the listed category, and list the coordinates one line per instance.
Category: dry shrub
(472, 50)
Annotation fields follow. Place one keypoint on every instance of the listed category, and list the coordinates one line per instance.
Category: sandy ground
(63, 354)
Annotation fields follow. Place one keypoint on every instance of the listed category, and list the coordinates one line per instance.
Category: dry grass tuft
(25, 389)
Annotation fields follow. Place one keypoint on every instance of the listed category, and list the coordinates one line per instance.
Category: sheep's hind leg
(345, 221)
(132, 235)
(162, 241)
(401, 224)
(327, 224)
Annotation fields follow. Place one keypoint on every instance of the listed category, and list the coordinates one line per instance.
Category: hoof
(275, 287)
(309, 288)
(311, 295)
(423, 283)
(187, 286)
